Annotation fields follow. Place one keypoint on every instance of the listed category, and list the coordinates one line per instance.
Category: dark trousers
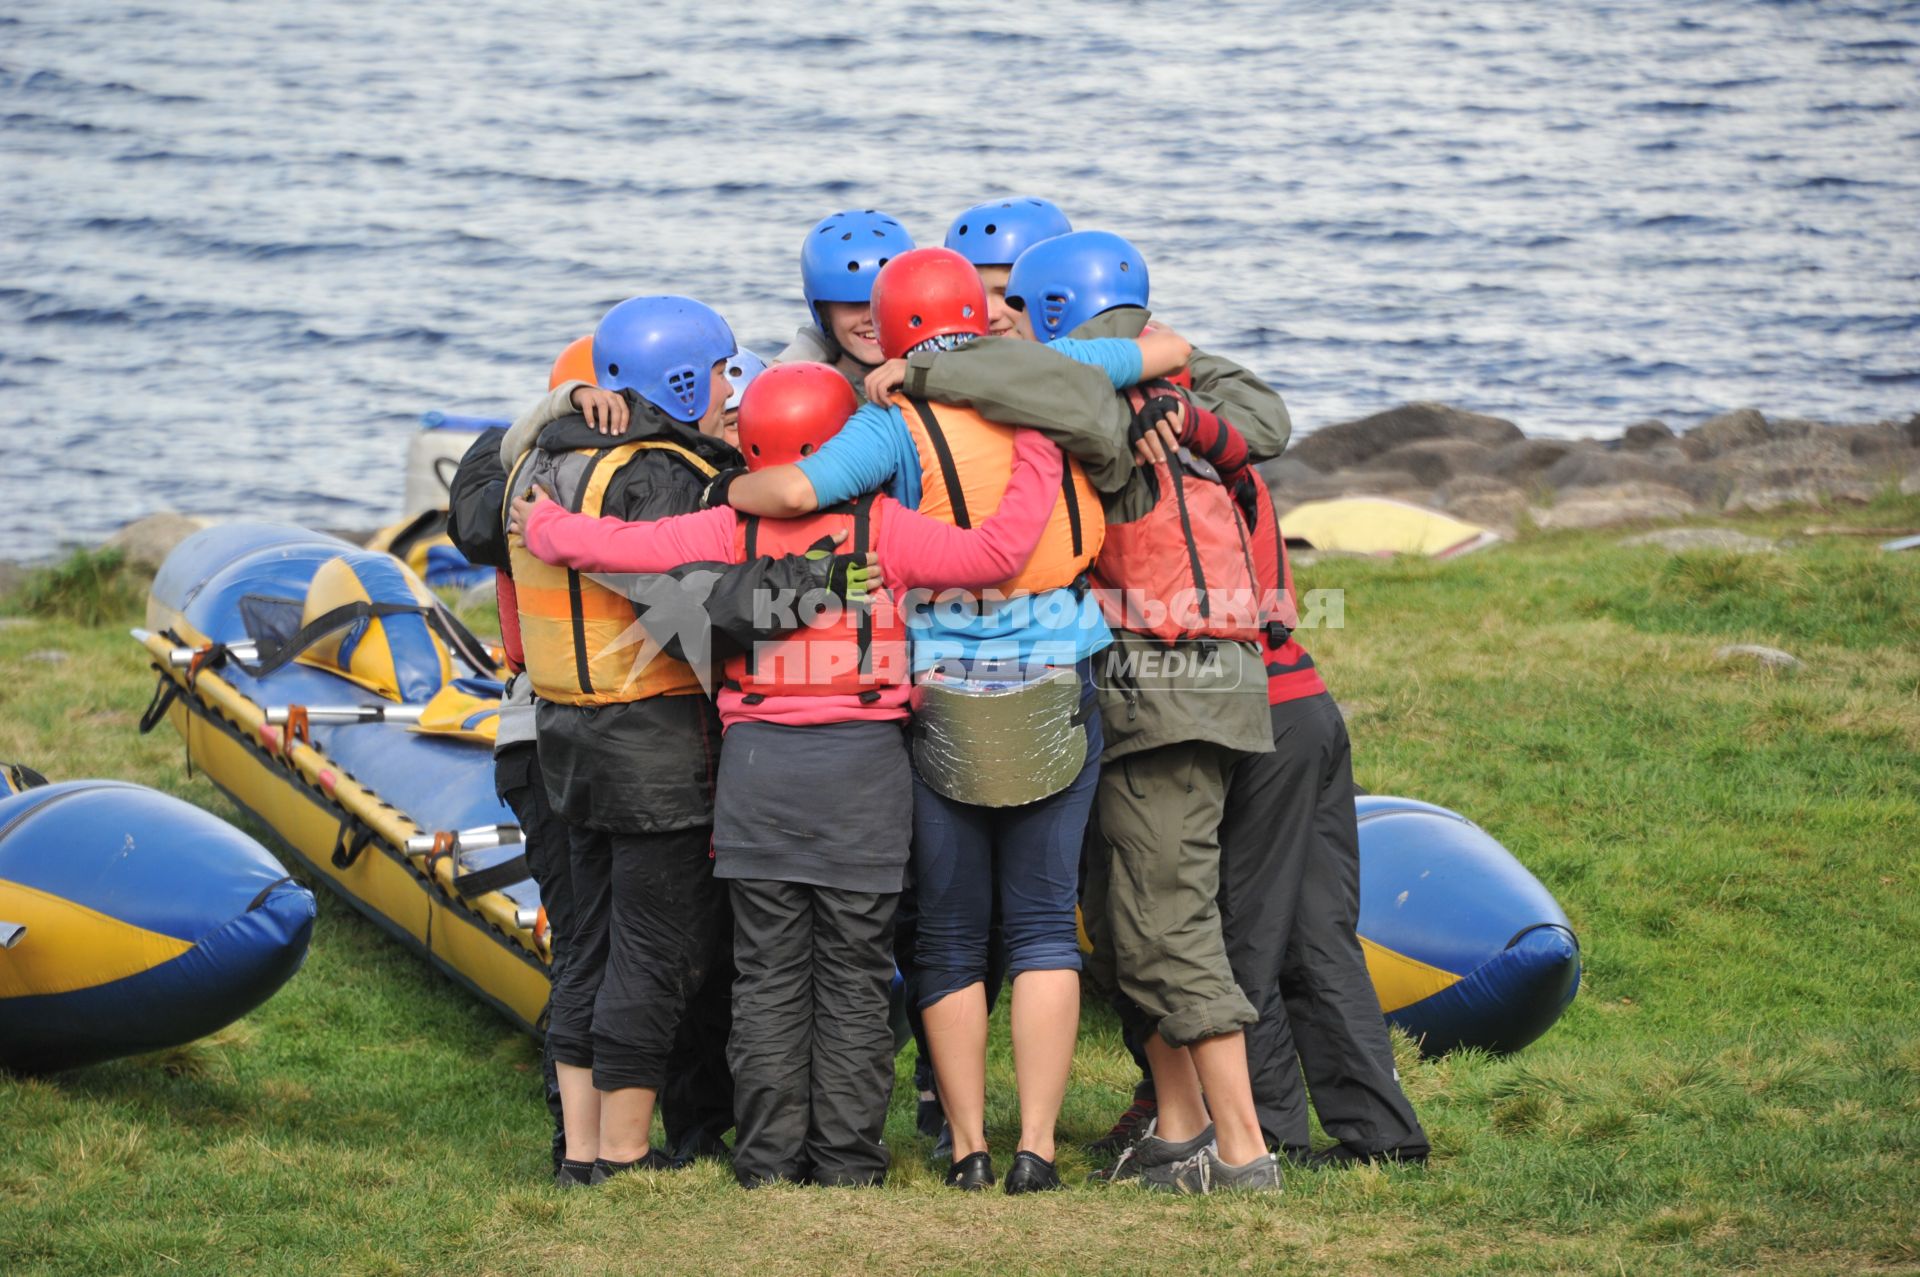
(543, 840)
(811, 1050)
(696, 1105)
(1289, 905)
(649, 932)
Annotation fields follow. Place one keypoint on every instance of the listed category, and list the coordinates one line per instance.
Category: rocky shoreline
(1486, 470)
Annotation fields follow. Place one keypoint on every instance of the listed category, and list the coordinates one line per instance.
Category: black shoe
(1128, 1128)
(573, 1174)
(971, 1173)
(1031, 1173)
(943, 1147)
(655, 1160)
(1340, 1157)
(927, 1117)
(701, 1144)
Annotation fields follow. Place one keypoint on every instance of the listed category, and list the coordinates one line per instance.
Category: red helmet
(789, 410)
(574, 364)
(927, 292)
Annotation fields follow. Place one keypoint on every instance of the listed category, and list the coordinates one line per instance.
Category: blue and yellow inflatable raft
(261, 633)
(1465, 947)
(131, 921)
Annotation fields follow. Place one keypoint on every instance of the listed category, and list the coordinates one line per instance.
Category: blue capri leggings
(1030, 855)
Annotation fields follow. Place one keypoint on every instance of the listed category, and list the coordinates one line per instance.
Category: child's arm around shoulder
(919, 552)
(589, 544)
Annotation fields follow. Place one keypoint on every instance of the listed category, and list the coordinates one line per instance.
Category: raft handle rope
(353, 838)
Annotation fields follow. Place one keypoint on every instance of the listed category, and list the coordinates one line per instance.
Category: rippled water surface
(243, 246)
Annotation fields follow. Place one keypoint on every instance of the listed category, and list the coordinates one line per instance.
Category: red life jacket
(1184, 569)
(855, 653)
(1290, 672)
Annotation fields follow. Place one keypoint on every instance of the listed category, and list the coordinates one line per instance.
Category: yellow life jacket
(965, 463)
(584, 644)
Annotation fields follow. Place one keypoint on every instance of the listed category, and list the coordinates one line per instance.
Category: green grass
(1737, 1086)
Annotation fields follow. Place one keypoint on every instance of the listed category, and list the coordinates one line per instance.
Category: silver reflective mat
(998, 742)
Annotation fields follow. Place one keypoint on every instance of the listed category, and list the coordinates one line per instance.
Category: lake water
(244, 246)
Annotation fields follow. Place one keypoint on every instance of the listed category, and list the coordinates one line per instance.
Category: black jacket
(645, 766)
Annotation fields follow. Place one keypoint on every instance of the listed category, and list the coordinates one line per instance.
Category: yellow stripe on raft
(69, 946)
(1400, 981)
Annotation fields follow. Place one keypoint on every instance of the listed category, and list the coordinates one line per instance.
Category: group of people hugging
(848, 684)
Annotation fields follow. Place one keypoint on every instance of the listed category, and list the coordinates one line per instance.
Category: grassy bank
(1738, 1084)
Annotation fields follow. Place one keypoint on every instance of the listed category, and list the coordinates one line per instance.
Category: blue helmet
(663, 348)
(1063, 282)
(843, 253)
(997, 232)
(741, 369)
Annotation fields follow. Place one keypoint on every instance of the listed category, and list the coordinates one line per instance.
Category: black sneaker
(943, 1147)
(573, 1174)
(655, 1160)
(927, 1117)
(1128, 1128)
(1031, 1173)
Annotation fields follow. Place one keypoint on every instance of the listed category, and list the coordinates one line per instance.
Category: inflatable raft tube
(1465, 947)
(404, 825)
(131, 921)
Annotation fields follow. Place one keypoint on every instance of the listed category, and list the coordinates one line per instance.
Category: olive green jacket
(1150, 695)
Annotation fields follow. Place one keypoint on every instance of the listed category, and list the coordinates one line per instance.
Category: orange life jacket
(856, 652)
(1280, 615)
(1185, 568)
(965, 464)
(582, 642)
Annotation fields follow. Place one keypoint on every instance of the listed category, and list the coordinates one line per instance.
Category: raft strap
(165, 693)
(353, 838)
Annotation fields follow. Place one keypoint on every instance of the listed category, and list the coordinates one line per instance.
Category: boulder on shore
(1349, 443)
(146, 543)
(1605, 507)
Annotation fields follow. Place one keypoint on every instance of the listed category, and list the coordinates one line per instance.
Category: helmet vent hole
(806, 450)
(878, 233)
(914, 322)
(1124, 267)
(963, 228)
(754, 449)
(991, 228)
(966, 312)
(885, 260)
(848, 235)
(853, 267)
(613, 370)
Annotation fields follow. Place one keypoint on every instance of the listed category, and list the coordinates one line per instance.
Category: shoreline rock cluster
(1486, 470)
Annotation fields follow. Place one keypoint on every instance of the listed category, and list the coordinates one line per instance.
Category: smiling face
(851, 324)
(1002, 321)
(714, 422)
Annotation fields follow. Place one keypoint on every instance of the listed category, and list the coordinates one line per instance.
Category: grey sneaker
(1258, 1176)
(1150, 1152)
(1188, 1175)
(1261, 1175)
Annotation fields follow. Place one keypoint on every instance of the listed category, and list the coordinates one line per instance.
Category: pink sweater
(915, 553)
